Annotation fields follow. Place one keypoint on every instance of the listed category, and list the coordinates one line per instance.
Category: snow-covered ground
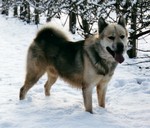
(127, 101)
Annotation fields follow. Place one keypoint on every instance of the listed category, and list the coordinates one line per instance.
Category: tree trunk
(36, 11)
(27, 12)
(49, 14)
(5, 7)
(132, 53)
(85, 27)
(36, 16)
(72, 22)
(117, 7)
(85, 22)
(15, 10)
(21, 12)
(125, 9)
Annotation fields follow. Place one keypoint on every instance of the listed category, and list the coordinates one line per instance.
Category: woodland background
(83, 14)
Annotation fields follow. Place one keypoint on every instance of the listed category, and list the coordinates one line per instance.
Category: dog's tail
(51, 34)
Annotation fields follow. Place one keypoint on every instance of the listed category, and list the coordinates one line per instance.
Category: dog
(84, 64)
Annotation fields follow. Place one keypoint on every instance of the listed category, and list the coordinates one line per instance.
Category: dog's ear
(122, 21)
(101, 24)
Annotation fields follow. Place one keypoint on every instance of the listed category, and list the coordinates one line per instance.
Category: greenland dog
(84, 64)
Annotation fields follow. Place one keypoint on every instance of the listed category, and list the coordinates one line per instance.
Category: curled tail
(51, 39)
(51, 34)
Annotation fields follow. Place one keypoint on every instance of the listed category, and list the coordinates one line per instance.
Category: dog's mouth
(117, 55)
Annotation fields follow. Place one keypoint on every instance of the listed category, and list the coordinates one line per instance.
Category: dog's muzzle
(117, 53)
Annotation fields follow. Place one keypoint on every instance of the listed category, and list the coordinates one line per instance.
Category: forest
(85, 13)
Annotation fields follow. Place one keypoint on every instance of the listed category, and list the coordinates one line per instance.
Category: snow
(127, 100)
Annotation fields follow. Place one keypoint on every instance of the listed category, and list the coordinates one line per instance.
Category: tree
(137, 15)
(85, 13)
(133, 41)
(15, 9)
(5, 7)
(36, 12)
(72, 17)
(72, 22)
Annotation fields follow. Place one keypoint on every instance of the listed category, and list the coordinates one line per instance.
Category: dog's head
(113, 38)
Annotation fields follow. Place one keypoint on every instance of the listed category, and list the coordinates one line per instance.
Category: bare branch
(140, 34)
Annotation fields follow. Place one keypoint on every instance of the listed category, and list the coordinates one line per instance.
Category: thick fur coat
(84, 64)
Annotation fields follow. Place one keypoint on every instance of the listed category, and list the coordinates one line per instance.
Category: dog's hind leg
(51, 80)
(32, 77)
(87, 97)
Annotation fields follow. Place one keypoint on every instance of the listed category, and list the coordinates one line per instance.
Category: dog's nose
(119, 48)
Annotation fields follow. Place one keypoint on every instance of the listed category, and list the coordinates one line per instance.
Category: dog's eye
(122, 36)
(111, 37)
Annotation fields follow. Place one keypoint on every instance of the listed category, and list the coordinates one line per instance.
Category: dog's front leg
(101, 92)
(87, 97)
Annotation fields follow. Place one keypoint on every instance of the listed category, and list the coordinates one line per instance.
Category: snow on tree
(85, 13)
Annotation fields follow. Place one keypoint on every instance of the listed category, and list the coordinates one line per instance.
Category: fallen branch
(146, 61)
(142, 50)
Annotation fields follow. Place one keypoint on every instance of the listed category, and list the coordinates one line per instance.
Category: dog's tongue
(119, 57)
